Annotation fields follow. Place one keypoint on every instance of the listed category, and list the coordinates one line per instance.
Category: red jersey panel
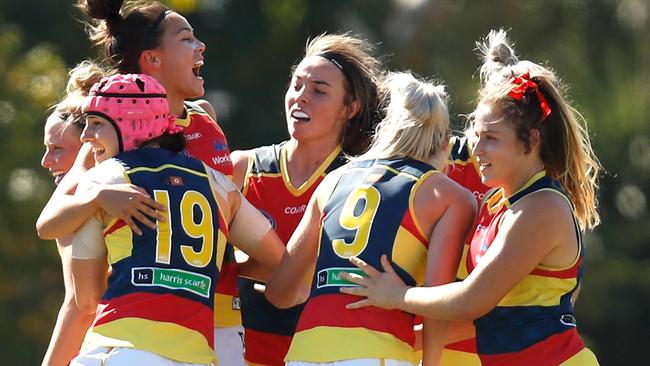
(269, 330)
(204, 139)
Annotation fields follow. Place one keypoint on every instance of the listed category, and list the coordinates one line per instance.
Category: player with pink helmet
(135, 104)
(158, 307)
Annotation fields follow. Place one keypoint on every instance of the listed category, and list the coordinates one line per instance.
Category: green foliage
(600, 49)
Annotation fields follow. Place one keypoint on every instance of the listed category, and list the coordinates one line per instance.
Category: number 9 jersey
(369, 213)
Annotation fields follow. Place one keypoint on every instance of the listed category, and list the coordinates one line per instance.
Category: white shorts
(355, 362)
(119, 356)
(229, 345)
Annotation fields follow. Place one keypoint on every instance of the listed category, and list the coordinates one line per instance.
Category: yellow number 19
(202, 229)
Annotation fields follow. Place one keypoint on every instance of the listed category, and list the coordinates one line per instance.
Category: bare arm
(239, 160)
(207, 107)
(284, 288)
(519, 246)
(249, 267)
(71, 323)
(264, 258)
(89, 282)
(444, 252)
(69, 208)
(248, 230)
(89, 265)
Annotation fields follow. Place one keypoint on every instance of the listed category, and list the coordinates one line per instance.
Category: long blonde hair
(565, 147)
(416, 124)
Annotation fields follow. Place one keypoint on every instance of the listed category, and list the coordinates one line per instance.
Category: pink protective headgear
(135, 104)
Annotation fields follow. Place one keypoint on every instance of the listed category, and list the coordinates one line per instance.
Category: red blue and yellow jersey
(161, 289)
(206, 141)
(462, 168)
(534, 323)
(370, 212)
(267, 186)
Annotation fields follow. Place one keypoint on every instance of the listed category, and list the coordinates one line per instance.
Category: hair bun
(108, 10)
(83, 76)
(503, 54)
(497, 53)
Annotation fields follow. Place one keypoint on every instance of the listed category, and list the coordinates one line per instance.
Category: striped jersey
(369, 213)
(534, 322)
(267, 186)
(161, 289)
(462, 168)
(206, 141)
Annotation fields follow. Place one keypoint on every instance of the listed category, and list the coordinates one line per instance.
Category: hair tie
(522, 84)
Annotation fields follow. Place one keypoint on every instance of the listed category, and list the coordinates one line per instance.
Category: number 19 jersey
(161, 290)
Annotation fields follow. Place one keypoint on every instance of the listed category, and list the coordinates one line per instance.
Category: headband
(340, 63)
(153, 27)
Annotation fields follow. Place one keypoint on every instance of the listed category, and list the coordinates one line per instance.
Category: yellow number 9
(361, 222)
(202, 230)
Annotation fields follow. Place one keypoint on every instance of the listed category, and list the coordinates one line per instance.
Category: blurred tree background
(600, 48)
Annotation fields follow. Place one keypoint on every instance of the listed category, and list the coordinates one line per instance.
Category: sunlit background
(600, 48)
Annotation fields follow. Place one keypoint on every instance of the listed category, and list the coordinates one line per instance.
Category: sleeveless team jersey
(267, 186)
(534, 323)
(462, 168)
(161, 289)
(206, 141)
(369, 213)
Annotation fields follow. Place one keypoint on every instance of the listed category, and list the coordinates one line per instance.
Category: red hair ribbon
(522, 84)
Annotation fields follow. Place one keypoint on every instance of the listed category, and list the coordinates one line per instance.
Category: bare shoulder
(240, 156)
(439, 197)
(239, 160)
(545, 205)
(208, 108)
(542, 219)
(443, 190)
(326, 187)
